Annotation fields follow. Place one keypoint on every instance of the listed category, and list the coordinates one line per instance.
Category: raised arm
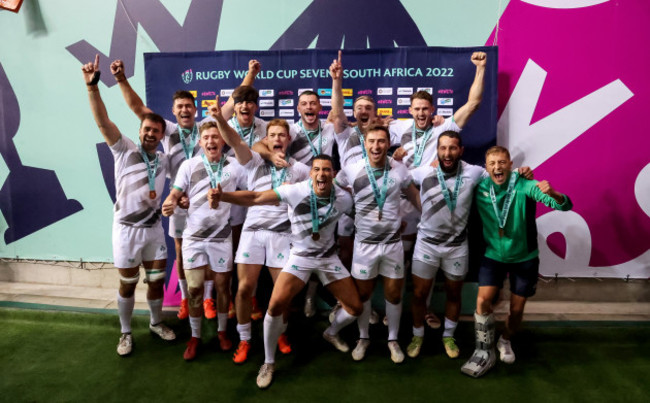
(462, 115)
(254, 67)
(91, 77)
(337, 115)
(230, 136)
(132, 99)
(242, 197)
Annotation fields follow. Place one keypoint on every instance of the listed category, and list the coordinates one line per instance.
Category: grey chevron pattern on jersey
(211, 233)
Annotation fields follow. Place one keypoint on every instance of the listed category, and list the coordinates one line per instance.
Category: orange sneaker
(208, 308)
(224, 341)
(231, 311)
(184, 310)
(241, 354)
(256, 314)
(192, 347)
(283, 344)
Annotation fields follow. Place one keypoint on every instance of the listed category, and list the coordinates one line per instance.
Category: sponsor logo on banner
(385, 91)
(347, 92)
(445, 101)
(404, 101)
(347, 102)
(384, 111)
(286, 112)
(326, 101)
(446, 112)
(348, 112)
(194, 94)
(285, 92)
(403, 112)
(405, 91)
(384, 102)
(364, 92)
(267, 113)
(225, 93)
(266, 103)
(285, 102)
(267, 93)
(426, 89)
(208, 94)
(445, 91)
(290, 121)
(187, 76)
(205, 113)
(206, 103)
(325, 92)
(301, 90)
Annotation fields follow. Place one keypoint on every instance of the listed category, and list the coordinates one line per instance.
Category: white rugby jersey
(133, 206)
(438, 225)
(259, 132)
(402, 130)
(174, 149)
(349, 144)
(299, 147)
(203, 223)
(297, 196)
(369, 229)
(271, 218)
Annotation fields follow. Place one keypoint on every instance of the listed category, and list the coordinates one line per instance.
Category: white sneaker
(336, 341)
(265, 376)
(505, 351)
(125, 345)
(396, 353)
(163, 331)
(310, 307)
(359, 351)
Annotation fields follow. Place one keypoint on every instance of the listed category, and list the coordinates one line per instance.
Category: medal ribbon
(152, 168)
(316, 220)
(419, 150)
(188, 149)
(363, 147)
(283, 173)
(449, 199)
(507, 201)
(215, 177)
(248, 131)
(320, 139)
(380, 195)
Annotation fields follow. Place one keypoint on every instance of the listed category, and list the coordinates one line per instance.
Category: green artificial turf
(54, 356)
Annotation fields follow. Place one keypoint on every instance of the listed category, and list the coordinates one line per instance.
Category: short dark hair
(156, 118)
(422, 95)
(452, 135)
(182, 94)
(497, 150)
(245, 93)
(309, 93)
(324, 157)
(379, 128)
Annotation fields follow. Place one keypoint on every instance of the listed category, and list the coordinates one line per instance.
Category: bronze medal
(501, 232)
(379, 216)
(152, 194)
(315, 236)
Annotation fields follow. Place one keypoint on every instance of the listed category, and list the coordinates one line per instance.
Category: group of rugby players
(295, 207)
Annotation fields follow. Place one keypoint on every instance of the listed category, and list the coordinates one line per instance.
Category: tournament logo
(186, 76)
(426, 89)
(385, 91)
(267, 103)
(445, 101)
(446, 112)
(325, 92)
(405, 91)
(226, 93)
(285, 102)
(404, 101)
(267, 93)
(267, 113)
(286, 112)
(326, 102)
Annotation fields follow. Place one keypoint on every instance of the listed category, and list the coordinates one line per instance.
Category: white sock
(125, 311)
(155, 310)
(208, 285)
(244, 331)
(341, 320)
(450, 328)
(183, 286)
(418, 331)
(393, 314)
(195, 325)
(222, 319)
(272, 331)
(364, 321)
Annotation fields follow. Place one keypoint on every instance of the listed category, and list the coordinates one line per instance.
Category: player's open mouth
(277, 147)
(498, 175)
(321, 184)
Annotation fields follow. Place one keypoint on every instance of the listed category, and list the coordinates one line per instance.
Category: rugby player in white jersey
(207, 241)
(314, 208)
(180, 143)
(377, 183)
(266, 236)
(418, 138)
(138, 236)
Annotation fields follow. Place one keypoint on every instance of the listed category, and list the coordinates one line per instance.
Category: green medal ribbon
(502, 217)
(419, 150)
(449, 199)
(215, 177)
(152, 168)
(314, 152)
(188, 149)
(316, 219)
(283, 173)
(248, 131)
(380, 195)
(363, 147)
